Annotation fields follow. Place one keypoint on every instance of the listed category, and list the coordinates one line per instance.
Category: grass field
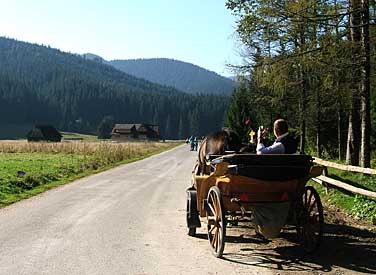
(27, 169)
(19, 131)
(69, 135)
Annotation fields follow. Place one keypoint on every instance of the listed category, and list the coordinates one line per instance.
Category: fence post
(326, 174)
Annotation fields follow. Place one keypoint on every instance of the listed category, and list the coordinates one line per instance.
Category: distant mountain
(94, 57)
(42, 85)
(180, 75)
(233, 78)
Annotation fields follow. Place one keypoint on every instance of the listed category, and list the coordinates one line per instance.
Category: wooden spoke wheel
(193, 220)
(191, 231)
(311, 220)
(216, 221)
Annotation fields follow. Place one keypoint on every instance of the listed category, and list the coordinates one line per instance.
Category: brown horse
(217, 144)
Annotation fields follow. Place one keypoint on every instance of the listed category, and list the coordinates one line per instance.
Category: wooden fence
(327, 181)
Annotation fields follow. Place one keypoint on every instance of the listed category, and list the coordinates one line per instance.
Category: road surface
(131, 220)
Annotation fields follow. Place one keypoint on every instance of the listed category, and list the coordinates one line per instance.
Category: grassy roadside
(69, 135)
(358, 206)
(27, 169)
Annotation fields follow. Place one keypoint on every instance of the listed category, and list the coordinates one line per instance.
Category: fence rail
(343, 167)
(323, 180)
(327, 181)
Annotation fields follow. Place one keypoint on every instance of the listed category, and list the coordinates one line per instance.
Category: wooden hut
(44, 133)
(135, 131)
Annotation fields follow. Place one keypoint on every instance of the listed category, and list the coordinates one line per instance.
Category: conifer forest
(312, 63)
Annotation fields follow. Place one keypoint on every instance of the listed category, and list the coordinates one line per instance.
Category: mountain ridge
(181, 75)
(162, 71)
(39, 84)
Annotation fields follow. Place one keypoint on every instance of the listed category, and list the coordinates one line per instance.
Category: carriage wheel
(311, 220)
(216, 221)
(193, 220)
(191, 231)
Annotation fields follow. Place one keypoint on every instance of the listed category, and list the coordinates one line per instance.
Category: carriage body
(238, 182)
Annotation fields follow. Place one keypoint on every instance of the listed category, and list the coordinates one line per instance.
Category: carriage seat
(267, 167)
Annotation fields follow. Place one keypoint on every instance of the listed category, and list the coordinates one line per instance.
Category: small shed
(135, 131)
(44, 133)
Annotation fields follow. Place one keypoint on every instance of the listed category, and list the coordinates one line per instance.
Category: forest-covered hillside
(181, 75)
(39, 84)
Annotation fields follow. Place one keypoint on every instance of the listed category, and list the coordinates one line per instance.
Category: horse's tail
(202, 157)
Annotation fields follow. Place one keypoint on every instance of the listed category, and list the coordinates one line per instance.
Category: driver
(270, 218)
(285, 143)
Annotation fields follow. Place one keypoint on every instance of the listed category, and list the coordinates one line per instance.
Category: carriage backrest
(268, 167)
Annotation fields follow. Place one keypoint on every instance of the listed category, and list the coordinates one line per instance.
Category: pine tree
(240, 114)
(105, 127)
(181, 128)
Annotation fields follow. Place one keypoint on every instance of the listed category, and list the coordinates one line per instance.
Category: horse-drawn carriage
(226, 188)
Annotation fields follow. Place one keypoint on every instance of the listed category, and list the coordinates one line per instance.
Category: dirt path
(131, 220)
(348, 247)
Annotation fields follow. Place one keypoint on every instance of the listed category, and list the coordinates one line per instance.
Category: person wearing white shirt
(270, 218)
(284, 143)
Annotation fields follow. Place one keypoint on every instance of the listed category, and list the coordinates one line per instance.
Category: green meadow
(27, 169)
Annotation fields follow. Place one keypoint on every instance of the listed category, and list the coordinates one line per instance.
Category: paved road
(131, 220)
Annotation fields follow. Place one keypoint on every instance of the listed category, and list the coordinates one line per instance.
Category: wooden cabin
(135, 131)
(44, 133)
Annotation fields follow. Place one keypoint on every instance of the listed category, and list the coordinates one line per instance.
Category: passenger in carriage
(285, 143)
(270, 218)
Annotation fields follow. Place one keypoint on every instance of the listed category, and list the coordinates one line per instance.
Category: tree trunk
(303, 77)
(353, 137)
(318, 123)
(365, 148)
(313, 83)
(303, 114)
(337, 89)
(339, 135)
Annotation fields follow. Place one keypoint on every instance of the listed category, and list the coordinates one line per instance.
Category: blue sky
(196, 31)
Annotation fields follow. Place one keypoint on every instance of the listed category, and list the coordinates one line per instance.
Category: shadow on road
(342, 246)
